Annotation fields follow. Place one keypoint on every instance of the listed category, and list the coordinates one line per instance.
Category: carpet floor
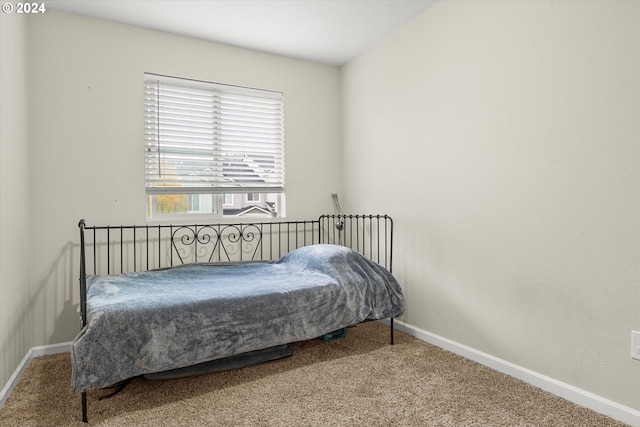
(360, 380)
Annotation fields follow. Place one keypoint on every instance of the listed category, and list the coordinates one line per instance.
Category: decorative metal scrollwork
(241, 240)
(193, 243)
(233, 242)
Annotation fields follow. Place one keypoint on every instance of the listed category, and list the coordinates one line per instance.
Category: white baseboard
(573, 394)
(45, 350)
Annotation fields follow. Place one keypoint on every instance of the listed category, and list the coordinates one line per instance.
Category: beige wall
(85, 157)
(15, 295)
(503, 137)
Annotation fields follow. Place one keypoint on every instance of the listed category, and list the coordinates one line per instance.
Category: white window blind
(210, 138)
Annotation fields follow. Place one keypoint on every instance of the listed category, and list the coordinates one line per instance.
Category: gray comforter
(141, 323)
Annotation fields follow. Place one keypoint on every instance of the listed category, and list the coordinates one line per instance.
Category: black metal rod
(147, 245)
(83, 275)
(83, 300)
(135, 267)
(94, 253)
(108, 251)
(392, 331)
(390, 244)
(85, 417)
(121, 250)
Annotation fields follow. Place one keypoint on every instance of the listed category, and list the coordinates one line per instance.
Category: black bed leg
(392, 331)
(84, 407)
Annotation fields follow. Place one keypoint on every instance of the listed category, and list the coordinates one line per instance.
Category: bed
(172, 300)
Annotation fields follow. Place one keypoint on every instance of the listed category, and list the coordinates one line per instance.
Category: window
(194, 201)
(205, 142)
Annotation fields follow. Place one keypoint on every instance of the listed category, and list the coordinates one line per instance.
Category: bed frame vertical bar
(371, 238)
(121, 249)
(195, 243)
(261, 240)
(108, 250)
(147, 245)
(378, 253)
(95, 268)
(390, 252)
(171, 249)
(358, 234)
(135, 266)
(389, 221)
(83, 298)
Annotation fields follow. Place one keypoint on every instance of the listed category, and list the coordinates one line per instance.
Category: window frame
(237, 146)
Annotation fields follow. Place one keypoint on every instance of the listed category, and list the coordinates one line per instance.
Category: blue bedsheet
(141, 323)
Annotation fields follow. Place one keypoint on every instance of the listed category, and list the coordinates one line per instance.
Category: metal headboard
(121, 249)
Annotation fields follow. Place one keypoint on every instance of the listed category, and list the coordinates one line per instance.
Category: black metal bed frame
(122, 249)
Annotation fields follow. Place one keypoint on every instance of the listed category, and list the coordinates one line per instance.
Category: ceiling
(326, 31)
